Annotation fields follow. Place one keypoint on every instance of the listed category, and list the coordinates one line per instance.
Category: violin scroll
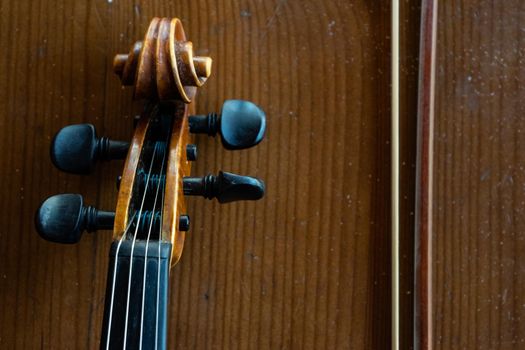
(163, 66)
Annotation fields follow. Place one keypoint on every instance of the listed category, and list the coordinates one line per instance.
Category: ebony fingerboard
(154, 297)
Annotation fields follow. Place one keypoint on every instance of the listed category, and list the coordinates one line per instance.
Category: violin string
(133, 245)
(147, 245)
(158, 272)
(114, 278)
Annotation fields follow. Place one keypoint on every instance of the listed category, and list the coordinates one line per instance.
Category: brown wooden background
(306, 268)
(479, 176)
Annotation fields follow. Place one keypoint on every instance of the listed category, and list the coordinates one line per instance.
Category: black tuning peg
(63, 218)
(241, 124)
(76, 148)
(226, 187)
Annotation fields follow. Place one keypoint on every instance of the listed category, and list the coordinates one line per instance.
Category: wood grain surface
(479, 179)
(307, 267)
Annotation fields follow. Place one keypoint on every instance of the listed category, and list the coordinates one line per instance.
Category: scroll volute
(163, 70)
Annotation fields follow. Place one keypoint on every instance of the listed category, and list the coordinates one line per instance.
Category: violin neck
(136, 317)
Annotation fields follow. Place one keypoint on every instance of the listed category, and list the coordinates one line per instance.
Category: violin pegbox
(163, 70)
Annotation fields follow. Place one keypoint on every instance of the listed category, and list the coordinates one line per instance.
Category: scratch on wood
(273, 17)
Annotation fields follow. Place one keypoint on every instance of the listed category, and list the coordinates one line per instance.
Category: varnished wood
(162, 66)
(305, 268)
(127, 180)
(479, 157)
(178, 166)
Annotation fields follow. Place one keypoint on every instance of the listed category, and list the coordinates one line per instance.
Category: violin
(150, 220)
